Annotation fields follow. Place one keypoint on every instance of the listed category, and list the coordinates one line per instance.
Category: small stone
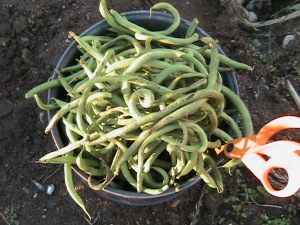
(4, 41)
(35, 195)
(252, 17)
(255, 95)
(287, 39)
(24, 41)
(39, 186)
(43, 116)
(175, 203)
(266, 87)
(221, 221)
(44, 216)
(256, 43)
(50, 189)
(6, 107)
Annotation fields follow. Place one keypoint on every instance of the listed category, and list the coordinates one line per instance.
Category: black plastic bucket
(158, 21)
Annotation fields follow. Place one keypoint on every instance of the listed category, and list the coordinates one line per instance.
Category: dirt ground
(33, 35)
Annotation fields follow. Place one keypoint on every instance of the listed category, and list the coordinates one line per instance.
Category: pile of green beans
(144, 108)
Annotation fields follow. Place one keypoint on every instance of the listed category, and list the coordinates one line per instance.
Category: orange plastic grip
(275, 126)
(283, 154)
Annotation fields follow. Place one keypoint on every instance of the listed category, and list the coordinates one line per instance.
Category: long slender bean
(215, 172)
(214, 62)
(174, 12)
(110, 20)
(63, 150)
(71, 189)
(162, 38)
(241, 107)
(44, 106)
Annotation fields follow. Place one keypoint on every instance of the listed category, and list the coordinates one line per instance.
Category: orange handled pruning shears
(283, 154)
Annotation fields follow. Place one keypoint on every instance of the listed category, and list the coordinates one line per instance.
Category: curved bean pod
(215, 171)
(84, 166)
(145, 97)
(109, 19)
(241, 107)
(63, 110)
(173, 11)
(131, 180)
(44, 106)
(161, 38)
(71, 189)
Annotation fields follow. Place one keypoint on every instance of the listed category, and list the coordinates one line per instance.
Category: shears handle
(282, 155)
(275, 126)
